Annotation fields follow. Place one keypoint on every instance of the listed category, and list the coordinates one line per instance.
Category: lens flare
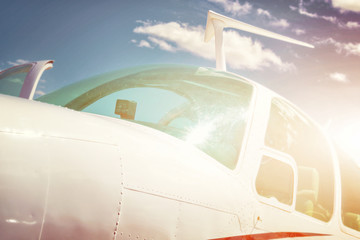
(349, 139)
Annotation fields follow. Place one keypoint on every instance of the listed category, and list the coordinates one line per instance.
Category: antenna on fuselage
(215, 25)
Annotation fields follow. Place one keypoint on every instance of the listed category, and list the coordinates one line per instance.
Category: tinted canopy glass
(200, 106)
(12, 80)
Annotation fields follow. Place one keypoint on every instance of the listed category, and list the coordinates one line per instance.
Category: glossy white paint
(82, 163)
(84, 176)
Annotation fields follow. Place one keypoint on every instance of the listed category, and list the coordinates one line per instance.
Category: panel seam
(116, 229)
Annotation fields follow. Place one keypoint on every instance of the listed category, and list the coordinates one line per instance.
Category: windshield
(202, 107)
(12, 80)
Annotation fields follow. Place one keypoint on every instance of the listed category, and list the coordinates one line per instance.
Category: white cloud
(350, 25)
(299, 31)
(234, 7)
(18, 62)
(339, 77)
(241, 52)
(273, 20)
(39, 93)
(280, 23)
(350, 5)
(331, 19)
(162, 44)
(293, 8)
(17, 81)
(355, 4)
(185, 38)
(303, 11)
(351, 48)
(144, 43)
(263, 12)
(347, 48)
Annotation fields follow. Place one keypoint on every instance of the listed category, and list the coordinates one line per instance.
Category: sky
(87, 38)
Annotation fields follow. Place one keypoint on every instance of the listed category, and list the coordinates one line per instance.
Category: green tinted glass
(12, 80)
(203, 107)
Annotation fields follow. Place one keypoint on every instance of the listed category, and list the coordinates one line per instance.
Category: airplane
(169, 152)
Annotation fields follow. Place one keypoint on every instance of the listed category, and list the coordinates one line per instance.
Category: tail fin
(217, 22)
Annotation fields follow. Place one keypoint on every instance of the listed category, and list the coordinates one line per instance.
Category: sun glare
(349, 139)
(200, 133)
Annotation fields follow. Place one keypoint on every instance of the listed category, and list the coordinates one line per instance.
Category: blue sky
(86, 38)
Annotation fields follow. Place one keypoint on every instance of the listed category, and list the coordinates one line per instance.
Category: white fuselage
(83, 176)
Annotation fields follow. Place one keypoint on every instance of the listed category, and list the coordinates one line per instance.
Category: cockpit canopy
(200, 106)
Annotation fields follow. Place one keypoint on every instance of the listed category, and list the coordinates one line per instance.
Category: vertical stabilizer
(217, 22)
